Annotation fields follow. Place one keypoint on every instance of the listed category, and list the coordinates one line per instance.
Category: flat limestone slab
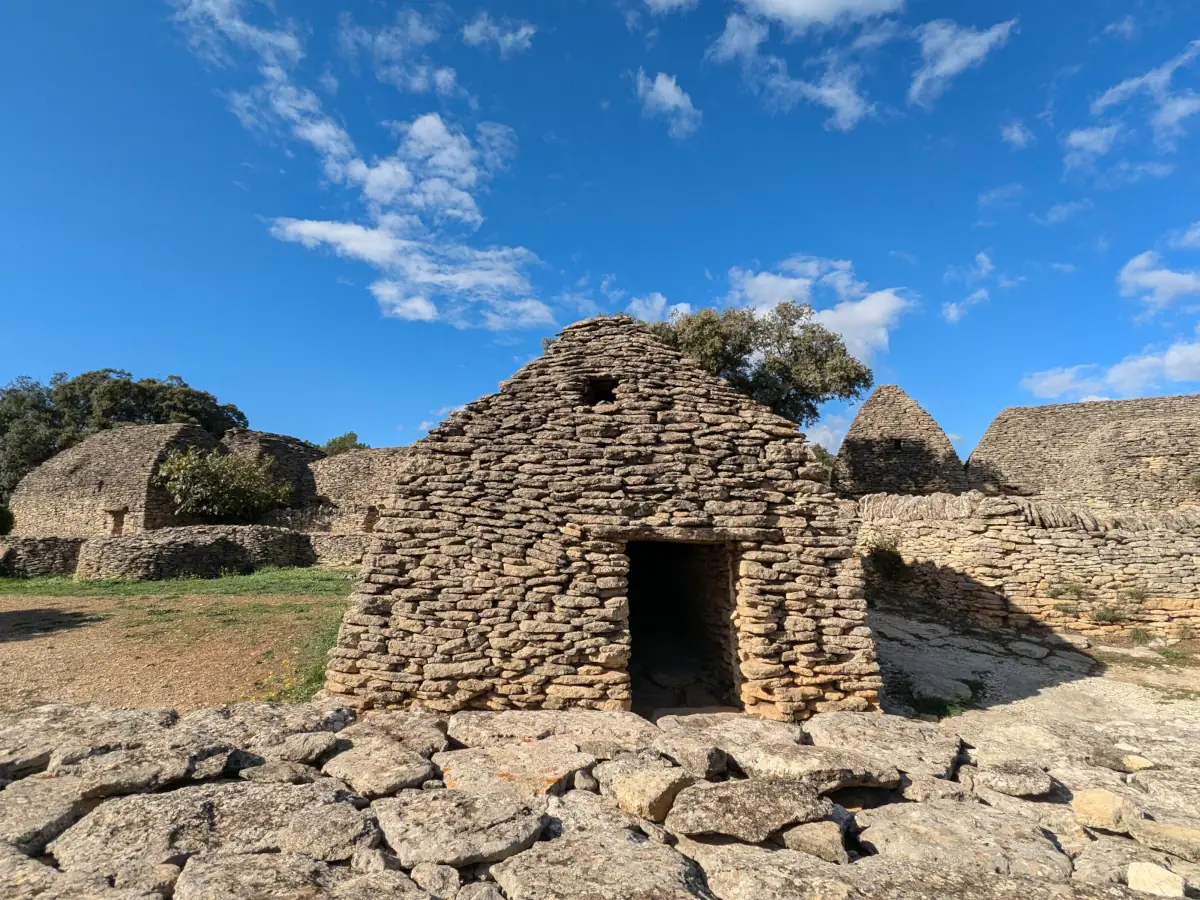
(747, 810)
(601, 733)
(532, 769)
(453, 828)
(605, 865)
(823, 768)
(915, 748)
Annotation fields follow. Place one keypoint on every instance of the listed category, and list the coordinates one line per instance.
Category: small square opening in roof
(600, 390)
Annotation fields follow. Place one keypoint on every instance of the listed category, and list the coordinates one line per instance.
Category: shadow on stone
(24, 624)
(947, 642)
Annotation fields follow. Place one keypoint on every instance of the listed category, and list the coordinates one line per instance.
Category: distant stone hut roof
(1114, 453)
(292, 459)
(895, 447)
(358, 477)
(104, 482)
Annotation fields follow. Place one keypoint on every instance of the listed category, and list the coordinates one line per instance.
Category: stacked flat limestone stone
(499, 578)
(263, 802)
(1009, 562)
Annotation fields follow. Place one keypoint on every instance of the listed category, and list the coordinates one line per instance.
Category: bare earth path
(183, 648)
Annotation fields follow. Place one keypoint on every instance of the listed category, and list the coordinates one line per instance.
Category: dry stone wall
(202, 551)
(1012, 563)
(103, 485)
(28, 557)
(499, 577)
(1124, 455)
(894, 446)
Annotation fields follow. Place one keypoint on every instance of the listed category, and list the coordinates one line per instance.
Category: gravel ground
(184, 652)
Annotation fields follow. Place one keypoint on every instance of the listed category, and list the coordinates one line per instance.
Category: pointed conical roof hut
(612, 511)
(895, 447)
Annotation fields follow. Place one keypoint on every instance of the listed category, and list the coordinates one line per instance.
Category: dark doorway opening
(684, 649)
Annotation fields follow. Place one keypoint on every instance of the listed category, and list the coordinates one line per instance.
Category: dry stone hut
(895, 447)
(349, 491)
(104, 485)
(614, 528)
(1126, 455)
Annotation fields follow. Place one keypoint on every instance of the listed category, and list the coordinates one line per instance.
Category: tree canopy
(38, 420)
(227, 488)
(784, 358)
(343, 443)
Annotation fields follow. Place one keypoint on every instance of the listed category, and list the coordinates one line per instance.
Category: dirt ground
(186, 652)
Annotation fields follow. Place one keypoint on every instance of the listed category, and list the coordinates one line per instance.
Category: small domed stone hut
(895, 447)
(104, 485)
(614, 529)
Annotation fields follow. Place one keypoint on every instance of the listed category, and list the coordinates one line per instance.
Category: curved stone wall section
(203, 551)
(1116, 454)
(894, 446)
(499, 577)
(1006, 562)
(28, 557)
(103, 485)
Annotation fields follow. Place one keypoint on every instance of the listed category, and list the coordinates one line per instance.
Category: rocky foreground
(258, 801)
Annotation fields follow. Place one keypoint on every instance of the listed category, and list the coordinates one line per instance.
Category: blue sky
(360, 215)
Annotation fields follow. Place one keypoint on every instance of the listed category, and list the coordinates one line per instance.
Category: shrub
(1072, 590)
(226, 488)
(343, 443)
(6, 519)
(886, 559)
(1109, 614)
(1139, 637)
(1194, 481)
(1134, 594)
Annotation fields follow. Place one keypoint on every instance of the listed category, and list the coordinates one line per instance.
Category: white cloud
(210, 24)
(1016, 134)
(1170, 109)
(663, 97)
(739, 40)
(398, 52)
(1146, 277)
(798, 15)
(509, 37)
(865, 324)
(1190, 237)
(764, 290)
(419, 202)
(1060, 212)
(907, 257)
(947, 50)
(1125, 172)
(1005, 195)
(1065, 268)
(1133, 376)
(837, 90)
(1086, 145)
(654, 307)
(953, 312)
(1123, 28)
(663, 7)
(981, 268)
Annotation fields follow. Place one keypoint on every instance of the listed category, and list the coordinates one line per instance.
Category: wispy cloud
(1135, 375)
(419, 204)
(1125, 28)
(1086, 145)
(663, 7)
(1015, 134)
(799, 15)
(662, 97)
(509, 37)
(1060, 212)
(1146, 277)
(1189, 237)
(398, 52)
(953, 312)
(948, 50)
(654, 307)
(1006, 195)
(1170, 109)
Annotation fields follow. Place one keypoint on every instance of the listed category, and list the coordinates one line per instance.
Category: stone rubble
(263, 802)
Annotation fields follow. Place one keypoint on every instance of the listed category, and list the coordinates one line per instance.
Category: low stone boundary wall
(27, 557)
(203, 551)
(339, 550)
(1014, 563)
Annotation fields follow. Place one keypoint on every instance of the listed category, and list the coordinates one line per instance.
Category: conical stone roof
(895, 447)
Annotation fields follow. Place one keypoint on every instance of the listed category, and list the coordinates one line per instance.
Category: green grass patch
(306, 582)
(303, 675)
